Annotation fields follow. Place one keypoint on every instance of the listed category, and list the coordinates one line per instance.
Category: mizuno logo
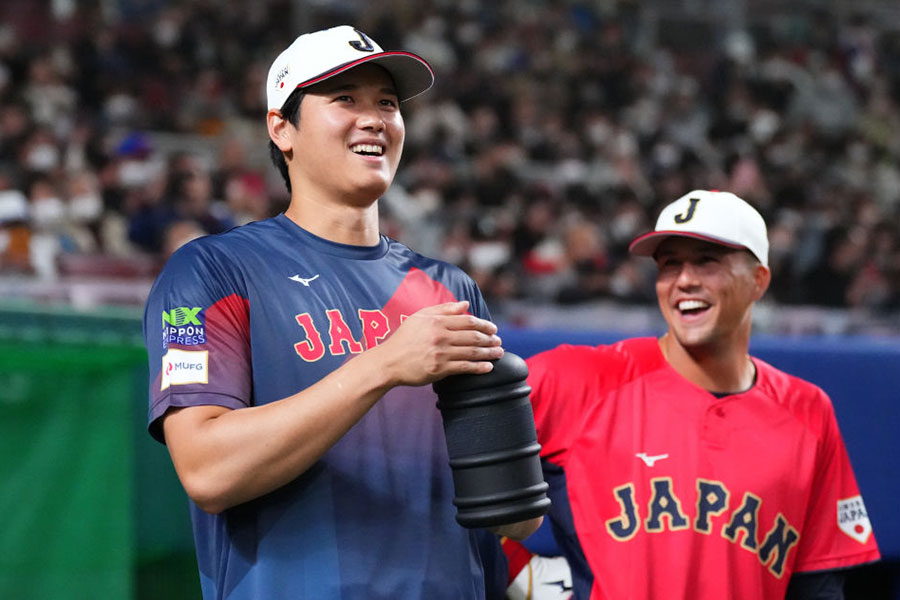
(650, 460)
(305, 282)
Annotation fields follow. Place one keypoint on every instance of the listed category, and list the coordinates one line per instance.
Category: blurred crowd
(554, 134)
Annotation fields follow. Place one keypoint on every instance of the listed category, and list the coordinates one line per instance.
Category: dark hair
(290, 110)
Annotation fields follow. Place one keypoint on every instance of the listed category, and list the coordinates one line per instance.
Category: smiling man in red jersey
(682, 468)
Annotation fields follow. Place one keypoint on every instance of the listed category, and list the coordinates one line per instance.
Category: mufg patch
(853, 519)
(183, 326)
(181, 367)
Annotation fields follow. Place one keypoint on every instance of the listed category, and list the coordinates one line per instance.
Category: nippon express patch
(184, 326)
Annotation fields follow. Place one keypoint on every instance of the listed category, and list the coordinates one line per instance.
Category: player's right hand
(437, 341)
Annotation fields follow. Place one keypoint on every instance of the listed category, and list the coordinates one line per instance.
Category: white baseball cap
(317, 56)
(713, 216)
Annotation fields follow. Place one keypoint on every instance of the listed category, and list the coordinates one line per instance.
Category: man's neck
(356, 226)
(722, 370)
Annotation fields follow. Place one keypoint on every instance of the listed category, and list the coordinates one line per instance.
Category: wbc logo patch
(853, 519)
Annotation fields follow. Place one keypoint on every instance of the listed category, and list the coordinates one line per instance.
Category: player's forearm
(227, 457)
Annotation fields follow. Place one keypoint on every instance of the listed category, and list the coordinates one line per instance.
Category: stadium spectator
(558, 114)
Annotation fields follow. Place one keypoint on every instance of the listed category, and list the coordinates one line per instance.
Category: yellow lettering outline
(665, 515)
(769, 563)
(710, 513)
(617, 492)
(746, 543)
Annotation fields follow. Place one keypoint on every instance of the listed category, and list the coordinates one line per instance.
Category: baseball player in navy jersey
(289, 358)
(682, 468)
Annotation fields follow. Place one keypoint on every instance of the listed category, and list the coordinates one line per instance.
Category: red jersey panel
(677, 494)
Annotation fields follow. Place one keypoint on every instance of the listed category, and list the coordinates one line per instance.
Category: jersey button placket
(714, 431)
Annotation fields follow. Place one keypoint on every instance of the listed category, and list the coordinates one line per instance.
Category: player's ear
(279, 129)
(762, 277)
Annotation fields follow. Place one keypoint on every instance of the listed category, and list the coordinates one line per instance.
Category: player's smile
(692, 312)
(690, 308)
(367, 149)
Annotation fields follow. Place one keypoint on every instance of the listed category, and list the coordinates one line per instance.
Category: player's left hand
(438, 341)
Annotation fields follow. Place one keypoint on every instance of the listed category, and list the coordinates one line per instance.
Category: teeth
(692, 304)
(367, 149)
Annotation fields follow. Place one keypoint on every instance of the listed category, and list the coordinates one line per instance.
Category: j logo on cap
(718, 217)
(366, 45)
(690, 212)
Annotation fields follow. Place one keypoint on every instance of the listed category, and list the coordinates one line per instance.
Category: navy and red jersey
(664, 491)
(264, 311)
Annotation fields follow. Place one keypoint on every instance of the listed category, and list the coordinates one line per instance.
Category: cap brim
(411, 74)
(646, 245)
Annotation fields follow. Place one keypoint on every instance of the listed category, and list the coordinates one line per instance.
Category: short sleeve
(196, 330)
(477, 305)
(561, 383)
(837, 532)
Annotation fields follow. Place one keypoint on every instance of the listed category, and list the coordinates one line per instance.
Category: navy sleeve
(196, 330)
(494, 562)
(818, 585)
(542, 541)
(563, 526)
(478, 306)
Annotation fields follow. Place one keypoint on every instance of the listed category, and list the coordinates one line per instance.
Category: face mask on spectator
(47, 213)
(42, 158)
(85, 208)
(134, 173)
(13, 206)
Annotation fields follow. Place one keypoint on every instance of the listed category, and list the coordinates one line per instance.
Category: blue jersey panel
(264, 311)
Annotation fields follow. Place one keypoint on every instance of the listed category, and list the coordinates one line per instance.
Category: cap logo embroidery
(363, 46)
(684, 218)
(281, 75)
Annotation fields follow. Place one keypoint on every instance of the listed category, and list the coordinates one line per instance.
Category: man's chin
(367, 193)
(692, 339)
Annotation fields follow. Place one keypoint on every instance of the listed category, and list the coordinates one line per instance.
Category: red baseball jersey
(672, 493)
